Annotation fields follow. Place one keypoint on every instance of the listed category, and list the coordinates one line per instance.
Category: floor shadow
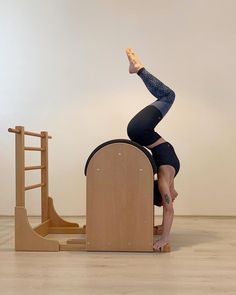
(192, 238)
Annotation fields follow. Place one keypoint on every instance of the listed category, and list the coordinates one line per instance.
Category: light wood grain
(27, 238)
(202, 261)
(119, 204)
(44, 176)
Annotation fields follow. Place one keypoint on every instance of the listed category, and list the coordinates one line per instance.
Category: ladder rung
(33, 186)
(27, 132)
(32, 134)
(27, 148)
(35, 134)
(34, 167)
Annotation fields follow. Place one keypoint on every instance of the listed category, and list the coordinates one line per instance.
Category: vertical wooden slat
(44, 176)
(20, 167)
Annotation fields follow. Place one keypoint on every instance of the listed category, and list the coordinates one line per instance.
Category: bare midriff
(159, 141)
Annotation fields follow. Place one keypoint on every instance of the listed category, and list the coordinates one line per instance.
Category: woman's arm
(168, 216)
(168, 213)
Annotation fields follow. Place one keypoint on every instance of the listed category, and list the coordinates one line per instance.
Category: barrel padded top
(146, 152)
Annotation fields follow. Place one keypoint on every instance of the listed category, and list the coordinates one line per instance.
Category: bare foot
(134, 63)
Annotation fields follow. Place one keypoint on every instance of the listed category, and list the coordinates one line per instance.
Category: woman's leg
(141, 130)
(164, 95)
(141, 127)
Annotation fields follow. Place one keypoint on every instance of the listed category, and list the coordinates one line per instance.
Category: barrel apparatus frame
(119, 200)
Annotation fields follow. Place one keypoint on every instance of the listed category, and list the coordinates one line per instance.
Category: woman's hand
(159, 245)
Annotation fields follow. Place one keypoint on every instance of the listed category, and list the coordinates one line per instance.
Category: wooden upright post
(44, 176)
(20, 165)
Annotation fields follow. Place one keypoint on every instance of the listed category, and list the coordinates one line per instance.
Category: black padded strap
(146, 152)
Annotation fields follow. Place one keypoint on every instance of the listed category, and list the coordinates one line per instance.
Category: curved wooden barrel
(119, 190)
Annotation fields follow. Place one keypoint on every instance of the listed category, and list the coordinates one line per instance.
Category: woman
(141, 130)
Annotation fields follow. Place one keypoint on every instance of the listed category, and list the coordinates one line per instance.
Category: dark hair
(157, 195)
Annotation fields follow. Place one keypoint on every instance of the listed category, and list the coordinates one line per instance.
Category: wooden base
(33, 239)
(26, 239)
(166, 248)
(74, 245)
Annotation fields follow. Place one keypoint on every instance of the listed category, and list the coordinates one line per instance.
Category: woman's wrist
(164, 239)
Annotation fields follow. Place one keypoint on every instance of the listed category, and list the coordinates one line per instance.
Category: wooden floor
(202, 261)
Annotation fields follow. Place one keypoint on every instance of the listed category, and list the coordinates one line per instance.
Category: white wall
(63, 69)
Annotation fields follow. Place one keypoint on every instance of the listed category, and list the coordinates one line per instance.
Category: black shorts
(164, 154)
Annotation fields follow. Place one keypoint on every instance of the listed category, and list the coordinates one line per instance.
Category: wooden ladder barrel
(119, 196)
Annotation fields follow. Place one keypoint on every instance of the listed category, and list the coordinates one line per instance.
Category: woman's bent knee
(140, 134)
(134, 132)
